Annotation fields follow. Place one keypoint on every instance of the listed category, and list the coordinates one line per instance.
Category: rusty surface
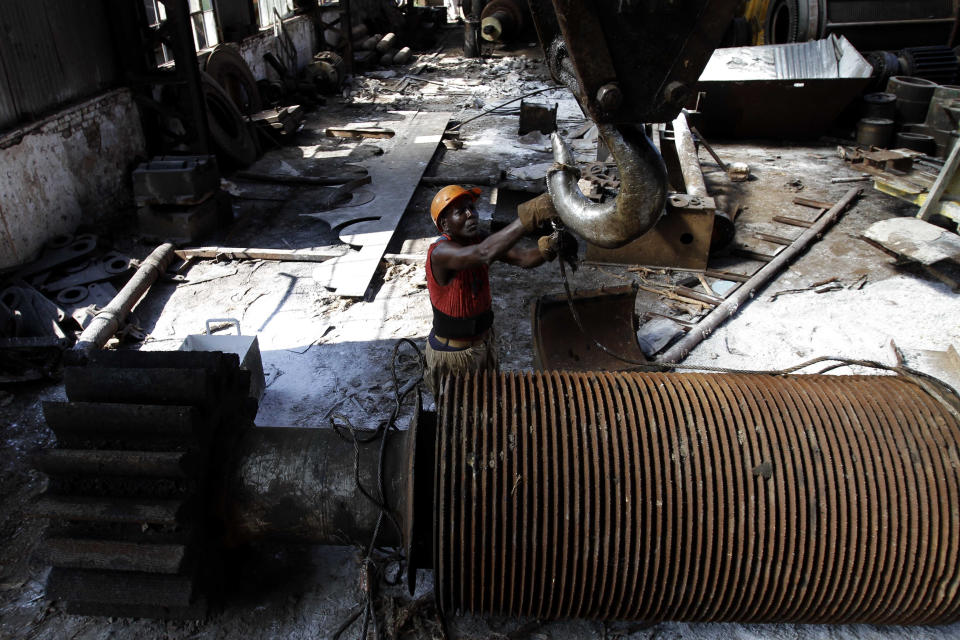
(629, 61)
(680, 239)
(608, 316)
(820, 499)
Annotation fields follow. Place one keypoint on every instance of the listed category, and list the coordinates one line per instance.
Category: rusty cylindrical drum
(648, 496)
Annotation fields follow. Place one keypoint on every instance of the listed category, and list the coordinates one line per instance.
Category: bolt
(676, 93)
(609, 97)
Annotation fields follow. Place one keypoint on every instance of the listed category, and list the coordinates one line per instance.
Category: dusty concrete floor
(323, 354)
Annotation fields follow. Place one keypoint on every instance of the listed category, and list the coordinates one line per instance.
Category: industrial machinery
(604, 495)
(627, 63)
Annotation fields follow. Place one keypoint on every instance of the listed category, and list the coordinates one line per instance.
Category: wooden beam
(318, 254)
(367, 132)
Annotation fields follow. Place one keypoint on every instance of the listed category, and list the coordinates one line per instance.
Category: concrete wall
(70, 168)
(300, 30)
(74, 166)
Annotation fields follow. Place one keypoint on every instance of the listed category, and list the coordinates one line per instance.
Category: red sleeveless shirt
(462, 308)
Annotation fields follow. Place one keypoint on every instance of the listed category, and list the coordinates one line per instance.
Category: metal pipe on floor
(107, 322)
(746, 291)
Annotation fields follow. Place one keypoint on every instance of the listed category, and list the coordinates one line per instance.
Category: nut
(609, 97)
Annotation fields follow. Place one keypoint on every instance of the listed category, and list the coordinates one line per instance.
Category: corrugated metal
(52, 52)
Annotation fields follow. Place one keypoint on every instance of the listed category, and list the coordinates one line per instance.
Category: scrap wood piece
(395, 176)
(939, 187)
(794, 222)
(315, 254)
(670, 295)
(745, 292)
(359, 132)
(916, 239)
(769, 237)
(729, 276)
(812, 203)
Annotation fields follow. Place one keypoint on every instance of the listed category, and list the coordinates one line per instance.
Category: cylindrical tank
(304, 485)
(657, 496)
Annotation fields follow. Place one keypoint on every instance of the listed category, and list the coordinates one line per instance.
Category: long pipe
(107, 322)
(687, 153)
(745, 292)
(643, 189)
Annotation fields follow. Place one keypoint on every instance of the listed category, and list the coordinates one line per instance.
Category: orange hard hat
(447, 196)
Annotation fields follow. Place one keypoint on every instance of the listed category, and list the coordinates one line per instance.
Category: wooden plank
(395, 176)
(726, 275)
(699, 297)
(366, 132)
(71, 553)
(317, 254)
(928, 208)
(796, 222)
(769, 237)
(320, 254)
(810, 202)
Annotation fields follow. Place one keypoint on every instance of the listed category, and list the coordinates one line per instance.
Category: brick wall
(70, 168)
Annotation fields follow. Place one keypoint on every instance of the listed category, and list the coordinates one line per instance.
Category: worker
(462, 338)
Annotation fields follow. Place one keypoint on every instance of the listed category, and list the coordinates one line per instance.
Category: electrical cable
(369, 564)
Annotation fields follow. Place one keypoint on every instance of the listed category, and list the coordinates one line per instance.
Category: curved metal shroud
(638, 205)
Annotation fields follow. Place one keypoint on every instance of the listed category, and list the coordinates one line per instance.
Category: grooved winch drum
(659, 496)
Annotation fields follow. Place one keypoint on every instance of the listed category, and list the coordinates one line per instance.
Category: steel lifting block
(180, 180)
(180, 225)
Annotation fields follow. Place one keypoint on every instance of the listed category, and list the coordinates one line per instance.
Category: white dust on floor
(850, 323)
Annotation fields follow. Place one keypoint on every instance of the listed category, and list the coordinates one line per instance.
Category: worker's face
(460, 220)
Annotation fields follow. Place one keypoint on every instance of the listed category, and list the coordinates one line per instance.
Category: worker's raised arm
(451, 256)
(454, 214)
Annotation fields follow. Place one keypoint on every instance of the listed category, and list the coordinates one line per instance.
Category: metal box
(246, 347)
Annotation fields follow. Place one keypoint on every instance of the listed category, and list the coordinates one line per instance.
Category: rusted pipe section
(653, 496)
(502, 20)
(107, 322)
(638, 205)
(687, 153)
(301, 485)
(745, 292)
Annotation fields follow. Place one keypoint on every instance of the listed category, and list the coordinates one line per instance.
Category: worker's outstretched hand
(535, 213)
(559, 243)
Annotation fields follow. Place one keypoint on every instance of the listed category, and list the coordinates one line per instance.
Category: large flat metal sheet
(394, 177)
